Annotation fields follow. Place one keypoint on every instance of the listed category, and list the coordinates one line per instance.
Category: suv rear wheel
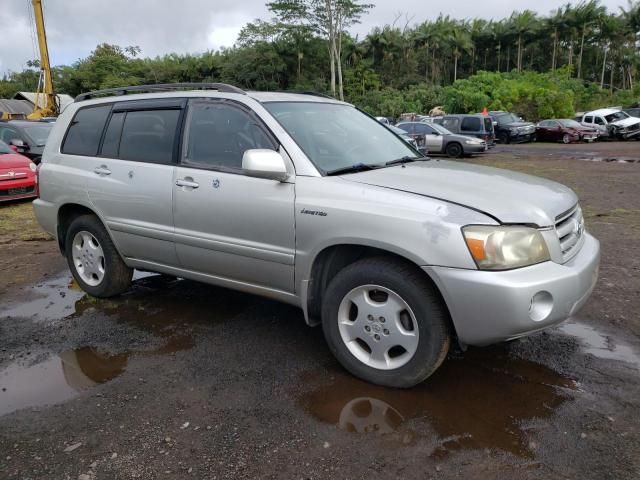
(93, 259)
(385, 323)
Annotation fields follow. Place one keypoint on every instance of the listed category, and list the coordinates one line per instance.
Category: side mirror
(264, 163)
(16, 142)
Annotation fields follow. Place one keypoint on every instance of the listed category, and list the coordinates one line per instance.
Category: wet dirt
(184, 380)
(479, 400)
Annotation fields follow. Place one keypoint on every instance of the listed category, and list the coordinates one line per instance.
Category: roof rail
(159, 87)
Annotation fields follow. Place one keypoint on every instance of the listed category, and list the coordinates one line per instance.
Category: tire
(566, 139)
(93, 259)
(503, 138)
(454, 150)
(421, 323)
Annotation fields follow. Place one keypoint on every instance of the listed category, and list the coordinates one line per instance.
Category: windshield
(4, 148)
(440, 129)
(569, 123)
(336, 136)
(614, 117)
(507, 118)
(39, 133)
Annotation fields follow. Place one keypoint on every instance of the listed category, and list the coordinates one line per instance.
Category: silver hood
(508, 196)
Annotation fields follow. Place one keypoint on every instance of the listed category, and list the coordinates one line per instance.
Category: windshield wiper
(358, 167)
(405, 159)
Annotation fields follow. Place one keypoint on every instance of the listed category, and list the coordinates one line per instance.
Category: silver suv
(307, 200)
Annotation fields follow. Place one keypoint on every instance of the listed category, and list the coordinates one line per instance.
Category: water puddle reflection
(600, 345)
(480, 400)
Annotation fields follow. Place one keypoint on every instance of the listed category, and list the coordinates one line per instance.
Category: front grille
(17, 191)
(570, 229)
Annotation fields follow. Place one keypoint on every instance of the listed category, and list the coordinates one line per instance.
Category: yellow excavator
(46, 102)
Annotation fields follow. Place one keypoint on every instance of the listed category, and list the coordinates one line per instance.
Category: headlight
(503, 248)
(33, 167)
(473, 142)
(514, 131)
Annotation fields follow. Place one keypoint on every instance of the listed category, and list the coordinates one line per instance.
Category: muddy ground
(181, 380)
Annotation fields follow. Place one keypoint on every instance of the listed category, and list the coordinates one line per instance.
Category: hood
(13, 160)
(508, 196)
(626, 122)
(461, 138)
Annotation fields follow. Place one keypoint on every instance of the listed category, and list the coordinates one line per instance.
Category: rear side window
(488, 124)
(422, 129)
(450, 124)
(407, 127)
(599, 120)
(471, 124)
(588, 119)
(148, 136)
(111, 141)
(85, 131)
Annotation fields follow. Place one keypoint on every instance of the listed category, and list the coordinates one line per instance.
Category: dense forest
(577, 57)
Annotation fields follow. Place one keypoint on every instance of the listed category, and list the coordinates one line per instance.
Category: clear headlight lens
(33, 167)
(505, 247)
(473, 142)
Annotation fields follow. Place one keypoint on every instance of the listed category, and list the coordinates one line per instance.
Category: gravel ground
(181, 380)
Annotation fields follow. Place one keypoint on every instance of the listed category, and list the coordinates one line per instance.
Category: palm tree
(556, 23)
(500, 33)
(585, 15)
(459, 40)
(523, 24)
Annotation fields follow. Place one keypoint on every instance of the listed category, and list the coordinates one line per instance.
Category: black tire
(420, 295)
(503, 137)
(454, 150)
(566, 138)
(117, 276)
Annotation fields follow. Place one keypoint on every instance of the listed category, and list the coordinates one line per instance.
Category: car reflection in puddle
(480, 400)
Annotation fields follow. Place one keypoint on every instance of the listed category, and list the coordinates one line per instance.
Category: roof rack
(159, 87)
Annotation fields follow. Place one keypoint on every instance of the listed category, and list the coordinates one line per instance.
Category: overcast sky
(75, 27)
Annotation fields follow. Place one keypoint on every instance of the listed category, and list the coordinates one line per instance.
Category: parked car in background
(383, 120)
(436, 139)
(632, 112)
(613, 123)
(28, 137)
(405, 136)
(17, 175)
(565, 130)
(510, 128)
(478, 126)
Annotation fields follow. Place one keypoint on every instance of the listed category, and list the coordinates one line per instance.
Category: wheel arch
(67, 213)
(331, 259)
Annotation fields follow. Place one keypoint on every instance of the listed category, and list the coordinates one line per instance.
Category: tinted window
(407, 127)
(488, 125)
(588, 119)
(83, 136)
(472, 124)
(219, 134)
(422, 129)
(149, 136)
(111, 141)
(598, 120)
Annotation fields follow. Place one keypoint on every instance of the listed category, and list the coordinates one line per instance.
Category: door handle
(187, 182)
(102, 170)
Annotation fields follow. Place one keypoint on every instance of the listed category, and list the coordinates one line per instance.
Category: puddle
(608, 159)
(58, 379)
(600, 345)
(479, 401)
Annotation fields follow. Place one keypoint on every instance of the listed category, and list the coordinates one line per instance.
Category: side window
(407, 127)
(8, 134)
(450, 124)
(599, 120)
(422, 129)
(148, 136)
(218, 134)
(544, 124)
(85, 130)
(111, 142)
(471, 124)
(588, 119)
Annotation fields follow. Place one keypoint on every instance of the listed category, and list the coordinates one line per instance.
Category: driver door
(433, 140)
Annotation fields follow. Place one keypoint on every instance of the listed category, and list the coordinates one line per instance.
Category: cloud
(75, 27)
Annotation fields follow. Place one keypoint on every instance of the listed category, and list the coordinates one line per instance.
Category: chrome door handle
(102, 170)
(187, 182)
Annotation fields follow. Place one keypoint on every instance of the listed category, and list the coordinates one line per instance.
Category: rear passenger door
(230, 225)
(130, 166)
(471, 126)
(433, 139)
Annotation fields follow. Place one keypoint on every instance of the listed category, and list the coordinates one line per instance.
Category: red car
(17, 175)
(565, 130)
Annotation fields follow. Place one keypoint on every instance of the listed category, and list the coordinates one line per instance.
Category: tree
(329, 18)
(523, 24)
(460, 42)
(585, 15)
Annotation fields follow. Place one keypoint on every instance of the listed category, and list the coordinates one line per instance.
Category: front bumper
(474, 149)
(488, 307)
(24, 187)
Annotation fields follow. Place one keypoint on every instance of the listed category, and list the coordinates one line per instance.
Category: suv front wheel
(385, 323)
(93, 259)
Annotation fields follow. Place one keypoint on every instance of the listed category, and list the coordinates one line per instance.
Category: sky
(75, 27)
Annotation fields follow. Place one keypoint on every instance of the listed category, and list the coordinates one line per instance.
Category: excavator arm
(46, 104)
